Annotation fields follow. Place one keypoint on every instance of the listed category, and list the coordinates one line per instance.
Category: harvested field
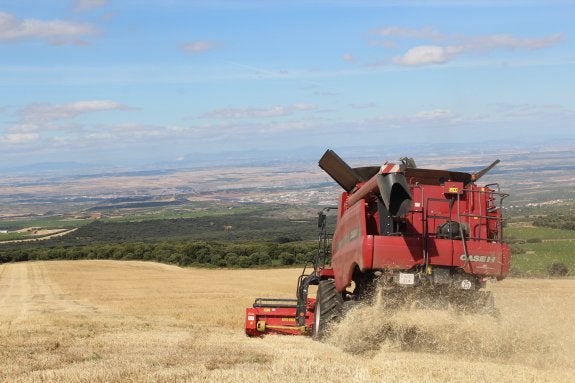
(107, 321)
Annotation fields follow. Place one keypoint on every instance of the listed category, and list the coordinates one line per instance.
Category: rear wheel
(328, 308)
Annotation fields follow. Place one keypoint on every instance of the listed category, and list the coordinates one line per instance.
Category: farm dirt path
(27, 292)
(106, 321)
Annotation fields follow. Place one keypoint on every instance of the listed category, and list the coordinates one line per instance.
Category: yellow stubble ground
(107, 321)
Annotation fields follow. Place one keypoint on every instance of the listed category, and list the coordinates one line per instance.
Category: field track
(109, 321)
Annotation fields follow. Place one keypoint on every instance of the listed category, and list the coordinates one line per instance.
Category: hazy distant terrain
(542, 175)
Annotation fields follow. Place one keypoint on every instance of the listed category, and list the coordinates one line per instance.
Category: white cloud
(274, 111)
(423, 119)
(55, 32)
(369, 105)
(348, 57)
(36, 113)
(443, 48)
(435, 54)
(510, 42)
(87, 5)
(79, 107)
(286, 126)
(39, 121)
(426, 33)
(199, 47)
(425, 54)
(387, 36)
(434, 115)
(531, 112)
(20, 138)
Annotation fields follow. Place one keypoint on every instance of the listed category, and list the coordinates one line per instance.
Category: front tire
(328, 308)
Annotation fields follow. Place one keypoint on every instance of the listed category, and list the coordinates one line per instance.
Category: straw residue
(369, 329)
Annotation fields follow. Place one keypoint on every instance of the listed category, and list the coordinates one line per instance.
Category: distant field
(127, 215)
(44, 222)
(106, 321)
(532, 232)
(195, 222)
(542, 246)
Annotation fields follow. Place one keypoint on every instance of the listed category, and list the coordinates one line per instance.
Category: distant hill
(528, 174)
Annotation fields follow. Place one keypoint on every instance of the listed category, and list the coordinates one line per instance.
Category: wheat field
(111, 321)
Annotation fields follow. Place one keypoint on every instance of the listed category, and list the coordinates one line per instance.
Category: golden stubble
(107, 321)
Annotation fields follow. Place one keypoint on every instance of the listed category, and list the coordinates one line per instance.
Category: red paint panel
(441, 251)
(391, 252)
(278, 320)
(343, 262)
(483, 258)
(348, 245)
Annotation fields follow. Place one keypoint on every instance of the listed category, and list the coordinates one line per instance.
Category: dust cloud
(525, 333)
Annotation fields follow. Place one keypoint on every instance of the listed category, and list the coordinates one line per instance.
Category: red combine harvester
(420, 235)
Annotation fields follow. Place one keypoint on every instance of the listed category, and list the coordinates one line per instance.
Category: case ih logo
(478, 258)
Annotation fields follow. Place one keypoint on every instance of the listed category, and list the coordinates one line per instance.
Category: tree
(287, 259)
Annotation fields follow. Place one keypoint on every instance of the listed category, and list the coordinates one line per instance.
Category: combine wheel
(328, 308)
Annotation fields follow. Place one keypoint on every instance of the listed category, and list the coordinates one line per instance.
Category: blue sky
(142, 81)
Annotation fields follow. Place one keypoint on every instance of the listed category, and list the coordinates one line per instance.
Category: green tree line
(232, 228)
(182, 253)
(565, 221)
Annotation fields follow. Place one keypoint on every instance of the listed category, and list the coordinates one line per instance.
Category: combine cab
(415, 235)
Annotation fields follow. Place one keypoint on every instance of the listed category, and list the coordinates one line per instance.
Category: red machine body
(278, 316)
(415, 232)
(358, 242)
